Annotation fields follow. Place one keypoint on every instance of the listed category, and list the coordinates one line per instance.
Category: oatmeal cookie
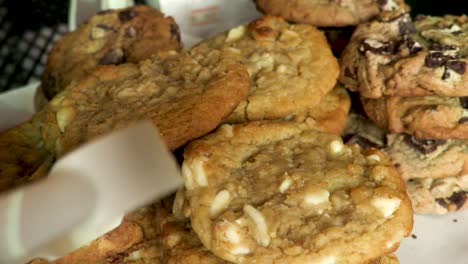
(185, 95)
(291, 67)
(318, 200)
(331, 13)
(402, 58)
(422, 116)
(438, 196)
(110, 37)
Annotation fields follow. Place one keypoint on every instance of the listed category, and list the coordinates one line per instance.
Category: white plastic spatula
(86, 194)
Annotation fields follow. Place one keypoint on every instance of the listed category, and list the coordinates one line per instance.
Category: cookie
(136, 238)
(291, 67)
(110, 37)
(23, 156)
(402, 58)
(180, 244)
(332, 111)
(283, 192)
(438, 196)
(427, 158)
(185, 95)
(331, 13)
(421, 116)
(40, 101)
(389, 259)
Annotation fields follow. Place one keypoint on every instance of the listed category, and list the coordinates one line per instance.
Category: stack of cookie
(412, 80)
(267, 176)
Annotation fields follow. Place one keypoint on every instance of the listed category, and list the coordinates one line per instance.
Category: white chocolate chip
(451, 29)
(336, 146)
(220, 203)
(327, 260)
(236, 33)
(188, 177)
(228, 130)
(317, 197)
(199, 173)
(386, 205)
(373, 157)
(284, 186)
(240, 250)
(232, 234)
(64, 116)
(263, 238)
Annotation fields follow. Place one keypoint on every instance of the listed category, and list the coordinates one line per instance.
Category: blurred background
(28, 28)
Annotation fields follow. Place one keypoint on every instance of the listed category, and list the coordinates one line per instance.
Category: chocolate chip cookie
(422, 116)
(427, 158)
(438, 196)
(434, 169)
(110, 37)
(185, 95)
(291, 67)
(402, 58)
(331, 13)
(283, 192)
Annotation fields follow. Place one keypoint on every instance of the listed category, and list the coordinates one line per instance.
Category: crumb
(414, 236)
(454, 220)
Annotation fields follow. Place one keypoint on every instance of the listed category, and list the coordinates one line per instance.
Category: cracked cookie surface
(109, 37)
(291, 67)
(330, 13)
(282, 192)
(421, 116)
(402, 58)
(185, 95)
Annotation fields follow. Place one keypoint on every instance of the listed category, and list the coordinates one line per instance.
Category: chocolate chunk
(454, 202)
(130, 32)
(464, 101)
(458, 199)
(442, 202)
(127, 15)
(412, 45)
(446, 74)
(363, 142)
(456, 66)
(378, 47)
(114, 56)
(463, 120)
(406, 26)
(436, 59)
(382, 2)
(175, 32)
(424, 146)
(441, 47)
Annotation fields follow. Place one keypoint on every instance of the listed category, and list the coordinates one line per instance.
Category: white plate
(435, 240)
